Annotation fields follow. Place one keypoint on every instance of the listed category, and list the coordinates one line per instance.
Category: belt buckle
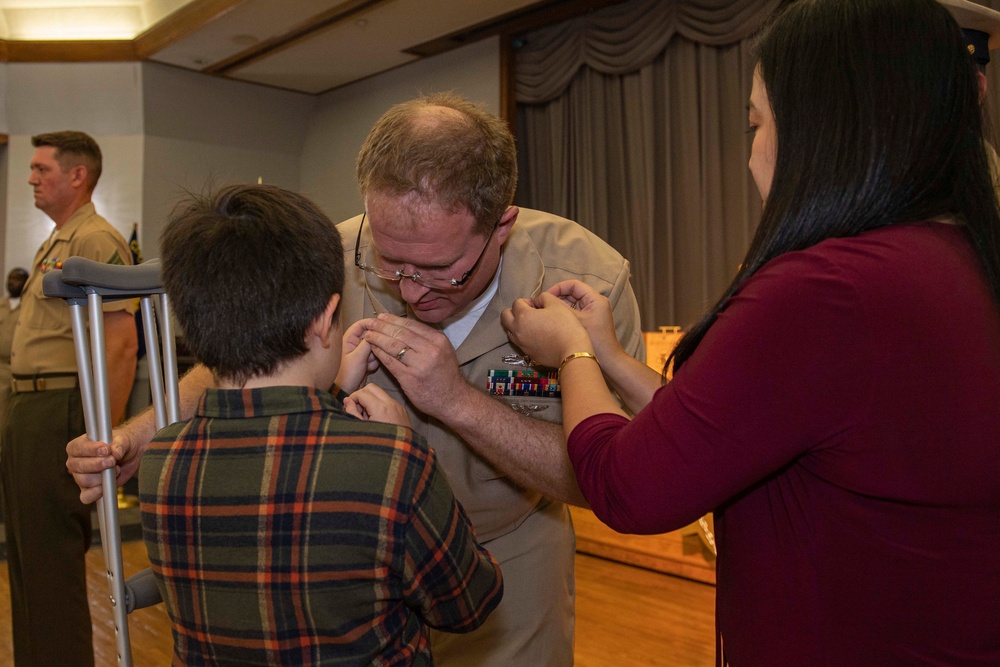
(39, 384)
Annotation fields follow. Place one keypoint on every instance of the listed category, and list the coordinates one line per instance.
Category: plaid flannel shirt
(283, 531)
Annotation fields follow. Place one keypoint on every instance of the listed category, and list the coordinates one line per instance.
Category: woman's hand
(545, 328)
(593, 310)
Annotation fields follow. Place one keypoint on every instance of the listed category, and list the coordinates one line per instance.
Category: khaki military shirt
(43, 338)
(534, 623)
(542, 250)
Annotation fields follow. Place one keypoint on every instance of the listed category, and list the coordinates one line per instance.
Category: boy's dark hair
(248, 269)
(73, 148)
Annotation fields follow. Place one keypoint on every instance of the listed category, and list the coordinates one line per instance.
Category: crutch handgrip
(54, 287)
(141, 591)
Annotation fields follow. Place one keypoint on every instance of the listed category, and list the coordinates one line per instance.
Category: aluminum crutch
(86, 282)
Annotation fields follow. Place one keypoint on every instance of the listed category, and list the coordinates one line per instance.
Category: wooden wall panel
(682, 553)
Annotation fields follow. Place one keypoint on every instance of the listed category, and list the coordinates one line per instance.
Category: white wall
(204, 132)
(346, 115)
(103, 100)
(165, 131)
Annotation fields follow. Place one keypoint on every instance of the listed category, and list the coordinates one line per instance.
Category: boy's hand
(373, 404)
(357, 359)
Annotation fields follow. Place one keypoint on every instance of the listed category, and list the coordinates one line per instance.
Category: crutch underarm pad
(113, 279)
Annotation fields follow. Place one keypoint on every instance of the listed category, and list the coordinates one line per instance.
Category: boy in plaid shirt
(286, 526)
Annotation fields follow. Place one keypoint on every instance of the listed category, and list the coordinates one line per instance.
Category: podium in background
(659, 345)
(688, 552)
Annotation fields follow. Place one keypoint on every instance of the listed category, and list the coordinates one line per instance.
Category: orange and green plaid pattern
(283, 531)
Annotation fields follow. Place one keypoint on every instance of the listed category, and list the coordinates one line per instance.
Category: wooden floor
(631, 617)
(625, 616)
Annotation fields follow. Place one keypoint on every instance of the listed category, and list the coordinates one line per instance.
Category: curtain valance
(625, 37)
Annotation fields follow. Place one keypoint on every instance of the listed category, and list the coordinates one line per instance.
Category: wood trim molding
(184, 21)
(541, 14)
(680, 553)
(508, 70)
(116, 50)
(341, 12)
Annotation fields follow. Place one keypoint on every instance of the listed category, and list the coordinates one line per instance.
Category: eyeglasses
(399, 274)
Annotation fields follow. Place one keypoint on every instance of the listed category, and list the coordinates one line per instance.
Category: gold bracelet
(578, 355)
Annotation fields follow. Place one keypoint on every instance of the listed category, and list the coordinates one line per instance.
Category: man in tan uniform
(440, 253)
(48, 528)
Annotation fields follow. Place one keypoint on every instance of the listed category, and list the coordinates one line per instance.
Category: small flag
(133, 246)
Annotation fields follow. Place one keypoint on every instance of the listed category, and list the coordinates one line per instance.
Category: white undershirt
(458, 326)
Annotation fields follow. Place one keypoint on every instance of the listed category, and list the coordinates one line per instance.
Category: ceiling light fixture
(27, 20)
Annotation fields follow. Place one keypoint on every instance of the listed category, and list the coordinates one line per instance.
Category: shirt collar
(69, 228)
(265, 402)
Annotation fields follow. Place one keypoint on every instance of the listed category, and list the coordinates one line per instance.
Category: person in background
(981, 29)
(356, 544)
(438, 254)
(48, 528)
(9, 308)
(837, 407)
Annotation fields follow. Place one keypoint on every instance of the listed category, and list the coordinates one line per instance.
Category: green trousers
(48, 531)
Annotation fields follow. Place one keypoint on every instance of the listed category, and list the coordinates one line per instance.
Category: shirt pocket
(543, 409)
(49, 315)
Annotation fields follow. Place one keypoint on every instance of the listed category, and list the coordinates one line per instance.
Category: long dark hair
(876, 106)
